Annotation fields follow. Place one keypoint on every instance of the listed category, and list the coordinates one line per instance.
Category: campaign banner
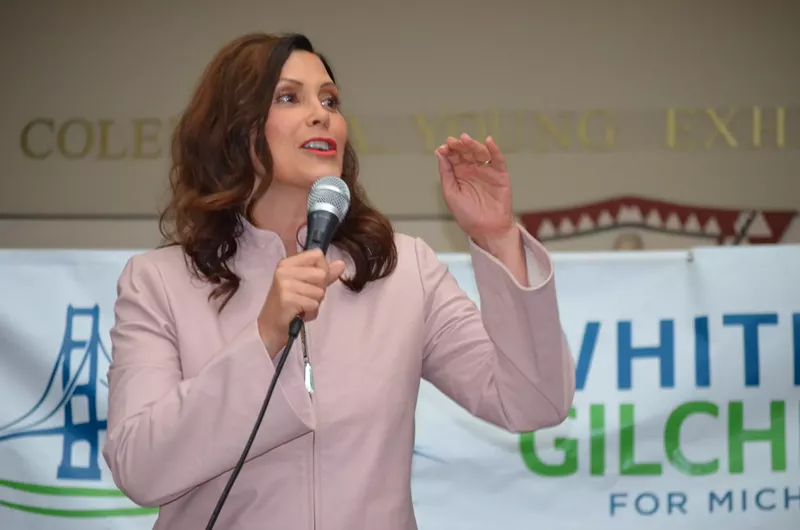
(686, 413)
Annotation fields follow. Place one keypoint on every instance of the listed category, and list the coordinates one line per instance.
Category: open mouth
(321, 146)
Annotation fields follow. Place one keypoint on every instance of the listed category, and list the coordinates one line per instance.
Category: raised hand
(477, 187)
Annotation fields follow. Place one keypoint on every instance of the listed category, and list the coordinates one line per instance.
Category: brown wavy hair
(212, 178)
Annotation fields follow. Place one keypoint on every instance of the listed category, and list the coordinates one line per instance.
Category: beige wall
(685, 102)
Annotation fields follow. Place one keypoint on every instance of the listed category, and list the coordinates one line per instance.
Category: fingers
(459, 150)
(467, 150)
(298, 288)
(307, 308)
(335, 271)
(305, 298)
(306, 276)
(446, 172)
(307, 257)
(305, 290)
(310, 266)
(497, 158)
(302, 289)
(478, 152)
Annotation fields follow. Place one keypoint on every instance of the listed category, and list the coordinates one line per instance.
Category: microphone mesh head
(331, 194)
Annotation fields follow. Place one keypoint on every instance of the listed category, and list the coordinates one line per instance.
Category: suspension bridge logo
(50, 454)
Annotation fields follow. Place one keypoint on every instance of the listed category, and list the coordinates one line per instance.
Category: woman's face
(305, 131)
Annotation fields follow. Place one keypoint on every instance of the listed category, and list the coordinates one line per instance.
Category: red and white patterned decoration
(719, 224)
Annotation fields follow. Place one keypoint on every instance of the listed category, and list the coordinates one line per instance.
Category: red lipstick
(320, 146)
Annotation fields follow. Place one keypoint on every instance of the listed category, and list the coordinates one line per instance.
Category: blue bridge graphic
(61, 398)
(68, 411)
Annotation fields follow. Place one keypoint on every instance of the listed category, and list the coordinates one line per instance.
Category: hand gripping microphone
(328, 203)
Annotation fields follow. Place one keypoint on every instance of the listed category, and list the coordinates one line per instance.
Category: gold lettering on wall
(75, 138)
(512, 136)
(146, 138)
(731, 128)
(608, 128)
(678, 129)
(431, 135)
(779, 127)
(520, 131)
(435, 132)
(721, 127)
(25, 138)
(560, 133)
(105, 142)
(465, 121)
(104, 139)
(677, 123)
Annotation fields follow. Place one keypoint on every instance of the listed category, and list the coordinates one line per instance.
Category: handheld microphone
(328, 203)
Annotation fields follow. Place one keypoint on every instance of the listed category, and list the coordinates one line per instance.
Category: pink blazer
(186, 384)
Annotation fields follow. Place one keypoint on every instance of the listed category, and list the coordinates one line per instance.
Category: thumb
(335, 270)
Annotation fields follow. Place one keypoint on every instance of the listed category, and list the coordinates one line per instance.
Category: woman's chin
(325, 168)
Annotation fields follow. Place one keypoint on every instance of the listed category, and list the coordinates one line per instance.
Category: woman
(200, 322)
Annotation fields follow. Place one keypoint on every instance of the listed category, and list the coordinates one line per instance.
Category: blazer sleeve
(507, 363)
(166, 433)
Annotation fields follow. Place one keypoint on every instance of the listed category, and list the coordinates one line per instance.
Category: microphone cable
(328, 203)
(294, 331)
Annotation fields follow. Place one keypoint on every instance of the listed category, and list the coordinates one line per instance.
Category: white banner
(686, 413)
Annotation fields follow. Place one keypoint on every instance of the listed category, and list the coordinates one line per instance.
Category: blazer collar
(258, 238)
(261, 247)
